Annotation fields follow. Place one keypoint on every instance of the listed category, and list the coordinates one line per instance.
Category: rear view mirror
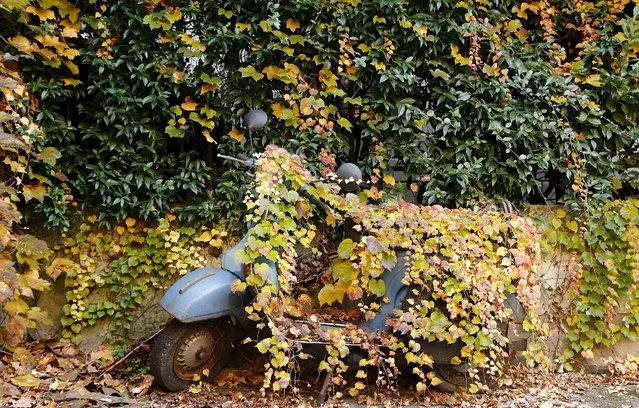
(349, 175)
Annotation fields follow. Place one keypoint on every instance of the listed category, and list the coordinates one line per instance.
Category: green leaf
(377, 287)
(345, 248)
(345, 123)
(251, 72)
(330, 294)
(438, 73)
(343, 270)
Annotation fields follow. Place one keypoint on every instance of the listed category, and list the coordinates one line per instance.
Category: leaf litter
(58, 374)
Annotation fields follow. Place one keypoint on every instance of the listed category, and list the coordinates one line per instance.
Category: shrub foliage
(472, 99)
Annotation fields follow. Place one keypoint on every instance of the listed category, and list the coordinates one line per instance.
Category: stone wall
(150, 317)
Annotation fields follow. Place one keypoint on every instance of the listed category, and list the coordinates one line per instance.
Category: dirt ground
(54, 375)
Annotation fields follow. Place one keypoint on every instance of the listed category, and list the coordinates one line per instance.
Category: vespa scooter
(207, 316)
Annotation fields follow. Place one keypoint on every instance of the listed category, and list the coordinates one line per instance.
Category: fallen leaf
(25, 381)
(144, 386)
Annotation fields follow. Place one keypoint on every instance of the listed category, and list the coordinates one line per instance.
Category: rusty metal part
(199, 351)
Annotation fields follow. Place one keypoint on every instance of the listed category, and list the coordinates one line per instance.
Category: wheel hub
(196, 351)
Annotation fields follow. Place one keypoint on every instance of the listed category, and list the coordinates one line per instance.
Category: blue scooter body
(206, 293)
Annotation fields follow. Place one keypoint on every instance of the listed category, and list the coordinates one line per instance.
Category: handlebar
(247, 162)
(303, 191)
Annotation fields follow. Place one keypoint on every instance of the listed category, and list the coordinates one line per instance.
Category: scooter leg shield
(204, 294)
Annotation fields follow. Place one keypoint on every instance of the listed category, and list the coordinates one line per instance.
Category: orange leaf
(236, 135)
(43, 15)
(189, 104)
(292, 25)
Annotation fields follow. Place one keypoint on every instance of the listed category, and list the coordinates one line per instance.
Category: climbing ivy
(29, 174)
(129, 260)
(460, 265)
(603, 283)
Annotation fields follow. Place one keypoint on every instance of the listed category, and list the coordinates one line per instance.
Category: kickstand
(321, 398)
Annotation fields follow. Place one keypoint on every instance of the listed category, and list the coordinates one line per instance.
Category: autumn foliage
(459, 266)
(476, 100)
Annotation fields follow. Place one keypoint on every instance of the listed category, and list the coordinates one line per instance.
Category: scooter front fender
(204, 294)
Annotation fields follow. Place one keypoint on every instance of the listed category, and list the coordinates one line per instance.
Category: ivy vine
(130, 260)
(603, 283)
(460, 265)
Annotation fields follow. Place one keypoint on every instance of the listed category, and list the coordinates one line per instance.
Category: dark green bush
(474, 100)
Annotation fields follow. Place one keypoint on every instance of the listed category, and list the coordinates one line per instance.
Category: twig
(112, 366)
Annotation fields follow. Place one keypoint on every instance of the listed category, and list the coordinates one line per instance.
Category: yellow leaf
(296, 39)
(72, 67)
(587, 354)
(292, 25)
(70, 53)
(130, 222)
(70, 29)
(513, 25)
(435, 381)
(189, 104)
(207, 136)
(250, 71)
(225, 13)
(377, 287)
(491, 70)
(330, 294)
(205, 237)
(15, 307)
(120, 230)
(278, 109)
(390, 180)
(522, 34)
(594, 80)
(22, 44)
(71, 81)
(378, 19)
(459, 59)
(208, 88)
(236, 135)
(92, 218)
(345, 123)
(59, 266)
(379, 65)
(37, 191)
(25, 381)
(43, 15)
(243, 26)
(405, 24)
(420, 29)
(178, 76)
(560, 100)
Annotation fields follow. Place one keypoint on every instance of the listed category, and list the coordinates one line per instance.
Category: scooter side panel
(396, 292)
(204, 294)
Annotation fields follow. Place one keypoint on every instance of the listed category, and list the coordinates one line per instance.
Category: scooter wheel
(183, 351)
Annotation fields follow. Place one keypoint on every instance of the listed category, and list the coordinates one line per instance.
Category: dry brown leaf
(144, 386)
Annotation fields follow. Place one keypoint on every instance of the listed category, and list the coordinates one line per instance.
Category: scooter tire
(169, 342)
